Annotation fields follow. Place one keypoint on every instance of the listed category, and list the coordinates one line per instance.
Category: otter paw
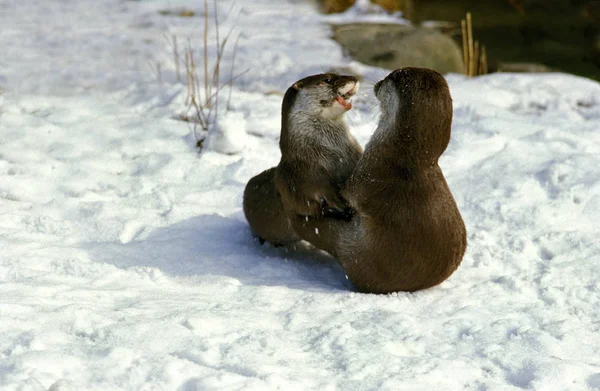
(339, 214)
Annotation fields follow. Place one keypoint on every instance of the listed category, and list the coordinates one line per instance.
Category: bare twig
(220, 48)
(189, 79)
(206, 83)
(470, 43)
(475, 58)
(203, 101)
(176, 58)
(194, 83)
(474, 55)
(463, 26)
(484, 64)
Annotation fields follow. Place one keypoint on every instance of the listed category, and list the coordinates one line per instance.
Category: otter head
(326, 95)
(416, 113)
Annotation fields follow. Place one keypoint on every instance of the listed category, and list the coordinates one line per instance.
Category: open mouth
(345, 95)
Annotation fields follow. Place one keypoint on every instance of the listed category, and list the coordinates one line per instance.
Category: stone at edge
(395, 46)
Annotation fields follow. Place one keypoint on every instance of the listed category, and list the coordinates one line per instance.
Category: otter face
(326, 95)
(416, 110)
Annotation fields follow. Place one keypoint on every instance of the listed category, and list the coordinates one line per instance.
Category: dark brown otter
(318, 154)
(264, 211)
(407, 232)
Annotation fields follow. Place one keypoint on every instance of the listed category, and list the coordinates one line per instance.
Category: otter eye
(328, 80)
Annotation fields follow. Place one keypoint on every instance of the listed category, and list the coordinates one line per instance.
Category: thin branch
(203, 101)
(188, 78)
(176, 58)
(195, 82)
(220, 48)
(470, 42)
(484, 64)
(476, 59)
(206, 83)
(463, 25)
(230, 80)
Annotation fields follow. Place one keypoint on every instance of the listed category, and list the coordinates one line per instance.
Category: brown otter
(407, 232)
(264, 211)
(318, 154)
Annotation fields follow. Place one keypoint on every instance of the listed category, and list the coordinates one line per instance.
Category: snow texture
(364, 11)
(126, 262)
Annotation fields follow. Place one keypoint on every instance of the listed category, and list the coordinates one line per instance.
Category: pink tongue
(342, 101)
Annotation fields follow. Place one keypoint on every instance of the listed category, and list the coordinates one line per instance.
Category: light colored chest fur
(319, 135)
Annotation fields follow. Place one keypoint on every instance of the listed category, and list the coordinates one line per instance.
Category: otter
(318, 154)
(407, 233)
(265, 213)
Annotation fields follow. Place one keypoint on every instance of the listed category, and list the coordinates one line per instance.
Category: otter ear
(296, 86)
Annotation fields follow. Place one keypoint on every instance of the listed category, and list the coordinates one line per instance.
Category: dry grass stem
(176, 58)
(206, 83)
(188, 78)
(484, 64)
(475, 59)
(470, 43)
(463, 26)
(474, 54)
(202, 100)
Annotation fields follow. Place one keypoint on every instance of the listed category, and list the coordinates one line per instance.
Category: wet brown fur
(407, 233)
(318, 155)
(264, 210)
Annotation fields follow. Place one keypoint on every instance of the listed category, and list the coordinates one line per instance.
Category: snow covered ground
(126, 262)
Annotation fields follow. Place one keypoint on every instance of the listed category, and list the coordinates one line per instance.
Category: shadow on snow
(212, 245)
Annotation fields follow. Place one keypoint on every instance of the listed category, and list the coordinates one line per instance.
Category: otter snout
(326, 95)
(346, 92)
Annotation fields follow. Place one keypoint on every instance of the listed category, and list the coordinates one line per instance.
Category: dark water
(562, 34)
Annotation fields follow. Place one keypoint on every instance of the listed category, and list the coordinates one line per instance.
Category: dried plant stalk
(188, 79)
(206, 83)
(203, 101)
(463, 25)
(475, 58)
(470, 43)
(176, 58)
(220, 48)
(474, 55)
(484, 65)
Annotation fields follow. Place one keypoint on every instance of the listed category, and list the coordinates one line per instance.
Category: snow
(227, 134)
(363, 11)
(126, 262)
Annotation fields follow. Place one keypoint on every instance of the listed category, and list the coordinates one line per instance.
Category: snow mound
(228, 134)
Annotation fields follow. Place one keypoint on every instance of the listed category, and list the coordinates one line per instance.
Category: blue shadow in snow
(221, 246)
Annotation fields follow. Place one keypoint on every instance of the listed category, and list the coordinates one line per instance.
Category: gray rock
(395, 46)
(528, 67)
